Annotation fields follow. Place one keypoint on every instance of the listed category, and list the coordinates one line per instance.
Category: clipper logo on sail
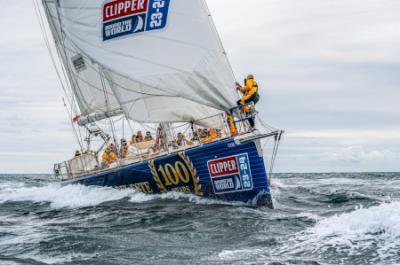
(231, 174)
(124, 17)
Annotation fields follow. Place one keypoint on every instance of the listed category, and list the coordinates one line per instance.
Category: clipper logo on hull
(231, 174)
(125, 17)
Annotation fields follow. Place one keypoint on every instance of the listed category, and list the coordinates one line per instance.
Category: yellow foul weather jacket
(250, 91)
(108, 158)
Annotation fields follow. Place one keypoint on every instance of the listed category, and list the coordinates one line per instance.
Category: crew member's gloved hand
(239, 102)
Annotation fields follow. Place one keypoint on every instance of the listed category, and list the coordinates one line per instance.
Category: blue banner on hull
(231, 174)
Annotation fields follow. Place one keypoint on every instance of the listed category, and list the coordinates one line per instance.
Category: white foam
(240, 254)
(78, 196)
(378, 225)
(384, 217)
(178, 196)
(363, 230)
(72, 196)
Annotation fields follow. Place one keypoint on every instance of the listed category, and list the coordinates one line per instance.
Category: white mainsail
(156, 60)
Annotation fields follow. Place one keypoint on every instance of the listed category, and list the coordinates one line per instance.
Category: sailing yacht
(158, 64)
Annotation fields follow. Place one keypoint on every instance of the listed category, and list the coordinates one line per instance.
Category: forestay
(157, 60)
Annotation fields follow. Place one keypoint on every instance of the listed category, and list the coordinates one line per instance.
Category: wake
(79, 196)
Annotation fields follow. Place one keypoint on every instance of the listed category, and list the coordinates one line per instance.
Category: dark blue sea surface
(319, 219)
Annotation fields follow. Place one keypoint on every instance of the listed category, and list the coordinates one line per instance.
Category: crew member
(148, 137)
(124, 149)
(250, 94)
(109, 156)
(212, 135)
(77, 153)
(232, 126)
(139, 137)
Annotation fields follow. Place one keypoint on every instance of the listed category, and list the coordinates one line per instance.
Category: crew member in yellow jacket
(109, 156)
(250, 94)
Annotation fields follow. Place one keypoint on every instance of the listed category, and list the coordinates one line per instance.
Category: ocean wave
(376, 229)
(71, 196)
(376, 220)
(343, 196)
(363, 236)
(78, 196)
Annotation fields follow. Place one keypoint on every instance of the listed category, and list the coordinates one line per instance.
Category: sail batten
(158, 61)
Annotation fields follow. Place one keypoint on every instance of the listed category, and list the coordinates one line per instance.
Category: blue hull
(222, 170)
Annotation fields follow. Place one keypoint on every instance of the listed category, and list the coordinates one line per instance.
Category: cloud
(357, 154)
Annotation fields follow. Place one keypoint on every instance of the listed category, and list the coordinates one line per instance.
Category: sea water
(319, 219)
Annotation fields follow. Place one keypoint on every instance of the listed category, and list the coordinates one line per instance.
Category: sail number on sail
(126, 17)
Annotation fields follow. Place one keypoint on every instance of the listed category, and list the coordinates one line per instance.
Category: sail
(159, 60)
(92, 92)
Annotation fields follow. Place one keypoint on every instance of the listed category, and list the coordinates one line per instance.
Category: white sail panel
(92, 91)
(176, 71)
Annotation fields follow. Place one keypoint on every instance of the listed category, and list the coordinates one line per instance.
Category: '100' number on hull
(175, 173)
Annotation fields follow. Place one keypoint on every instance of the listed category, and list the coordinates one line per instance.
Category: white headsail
(156, 60)
(92, 94)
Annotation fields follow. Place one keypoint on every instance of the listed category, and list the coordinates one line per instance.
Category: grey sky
(328, 70)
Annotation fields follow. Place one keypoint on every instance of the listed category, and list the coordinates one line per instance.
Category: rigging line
(47, 42)
(123, 127)
(41, 23)
(53, 59)
(267, 126)
(130, 126)
(102, 78)
(225, 55)
(73, 128)
(214, 28)
(63, 55)
(79, 129)
(146, 127)
(68, 69)
(275, 152)
(105, 76)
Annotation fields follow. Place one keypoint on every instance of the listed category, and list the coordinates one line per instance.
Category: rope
(102, 78)
(274, 153)
(73, 128)
(123, 128)
(60, 76)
